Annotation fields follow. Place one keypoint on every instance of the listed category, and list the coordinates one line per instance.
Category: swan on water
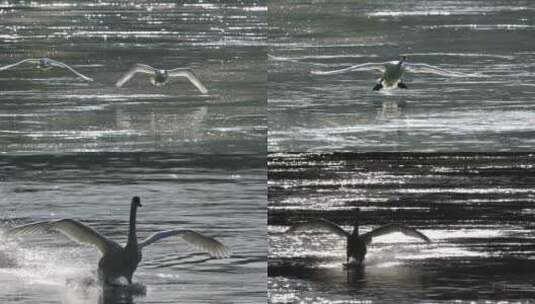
(357, 244)
(393, 70)
(160, 77)
(118, 261)
(46, 64)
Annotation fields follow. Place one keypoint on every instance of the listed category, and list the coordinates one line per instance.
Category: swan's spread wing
(73, 229)
(190, 76)
(7, 67)
(360, 67)
(64, 66)
(390, 228)
(206, 243)
(320, 224)
(138, 68)
(429, 69)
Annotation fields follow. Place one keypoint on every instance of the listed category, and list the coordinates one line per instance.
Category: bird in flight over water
(46, 64)
(356, 246)
(392, 71)
(120, 261)
(160, 77)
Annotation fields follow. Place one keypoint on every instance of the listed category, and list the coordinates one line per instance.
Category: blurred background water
(222, 41)
(477, 209)
(341, 112)
(220, 196)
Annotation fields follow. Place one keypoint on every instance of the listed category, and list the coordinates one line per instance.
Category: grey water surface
(222, 41)
(477, 209)
(315, 113)
(220, 196)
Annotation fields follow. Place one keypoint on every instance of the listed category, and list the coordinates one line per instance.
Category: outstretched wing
(184, 72)
(7, 67)
(320, 224)
(64, 66)
(206, 243)
(429, 69)
(73, 229)
(137, 68)
(390, 228)
(360, 67)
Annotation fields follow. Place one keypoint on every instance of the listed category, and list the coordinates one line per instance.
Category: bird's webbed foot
(401, 85)
(377, 87)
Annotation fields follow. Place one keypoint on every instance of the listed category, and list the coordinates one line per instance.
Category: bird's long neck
(355, 229)
(132, 237)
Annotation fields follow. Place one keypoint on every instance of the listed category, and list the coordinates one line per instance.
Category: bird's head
(136, 201)
(403, 59)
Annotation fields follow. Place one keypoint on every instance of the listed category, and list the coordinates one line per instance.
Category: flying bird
(118, 261)
(46, 64)
(160, 77)
(393, 70)
(357, 244)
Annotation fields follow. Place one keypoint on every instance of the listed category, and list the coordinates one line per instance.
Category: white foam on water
(64, 270)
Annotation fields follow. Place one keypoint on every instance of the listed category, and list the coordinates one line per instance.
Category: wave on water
(477, 55)
(452, 12)
(480, 27)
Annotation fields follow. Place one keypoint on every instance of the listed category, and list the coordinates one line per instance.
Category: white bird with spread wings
(46, 64)
(160, 77)
(392, 71)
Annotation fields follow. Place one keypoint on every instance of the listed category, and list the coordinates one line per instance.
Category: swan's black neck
(132, 237)
(355, 228)
(356, 223)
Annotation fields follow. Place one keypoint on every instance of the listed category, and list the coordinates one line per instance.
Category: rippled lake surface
(341, 112)
(221, 196)
(478, 210)
(222, 41)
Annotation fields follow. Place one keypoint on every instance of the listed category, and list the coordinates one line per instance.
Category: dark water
(220, 196)
(437, 113)
(223, 42)
(477, 209)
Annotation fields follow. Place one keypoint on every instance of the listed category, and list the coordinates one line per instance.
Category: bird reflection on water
(123, 294)
(351, 280)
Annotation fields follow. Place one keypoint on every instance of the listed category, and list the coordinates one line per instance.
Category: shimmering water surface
(221, 196)
(437, 113)
(478, 210)
(222, 41)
